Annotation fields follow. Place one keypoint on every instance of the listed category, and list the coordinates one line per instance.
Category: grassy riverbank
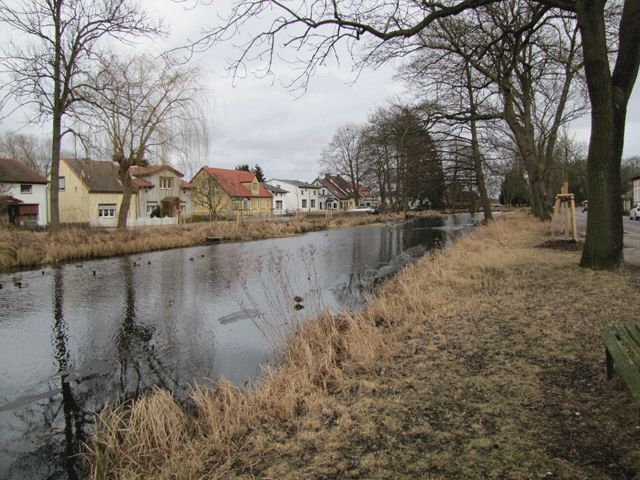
(481, 361)
(23, 248)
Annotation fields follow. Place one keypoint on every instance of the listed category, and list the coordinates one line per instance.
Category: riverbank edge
(25, 250)
(464, 365)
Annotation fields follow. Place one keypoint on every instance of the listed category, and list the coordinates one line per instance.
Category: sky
(254, 120)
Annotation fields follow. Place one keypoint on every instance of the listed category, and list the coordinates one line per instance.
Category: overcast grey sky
(258, 121)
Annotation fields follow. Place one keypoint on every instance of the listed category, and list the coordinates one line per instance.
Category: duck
(298, 299)
(298, 306)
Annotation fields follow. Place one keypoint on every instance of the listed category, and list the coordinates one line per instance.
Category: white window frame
(61, 184)
(304, 203)
(107, 210)
(26, 191)
(166, 183)
(153, 205)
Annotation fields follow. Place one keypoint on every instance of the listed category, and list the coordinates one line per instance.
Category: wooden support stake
(574, 229)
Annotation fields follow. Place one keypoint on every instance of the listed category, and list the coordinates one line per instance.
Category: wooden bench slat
(623, 362)
(628, 343)
(633, 330)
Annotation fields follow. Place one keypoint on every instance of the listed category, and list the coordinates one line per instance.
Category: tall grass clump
(228, 428)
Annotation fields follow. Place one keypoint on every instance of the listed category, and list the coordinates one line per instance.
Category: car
(634, 212)
(363, 209)
(585, 206)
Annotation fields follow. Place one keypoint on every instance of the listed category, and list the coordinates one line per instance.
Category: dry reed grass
(462, 366)
(22, 248)
(316, 363)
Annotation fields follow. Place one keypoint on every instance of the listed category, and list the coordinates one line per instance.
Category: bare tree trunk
(127, 189)
(475, 148)
(609, 96)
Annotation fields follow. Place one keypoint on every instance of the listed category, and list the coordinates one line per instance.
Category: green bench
(622, 344)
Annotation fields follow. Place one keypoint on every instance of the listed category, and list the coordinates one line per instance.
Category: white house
(23, 192)
(300, 196)
(278, 195)
(636, 190)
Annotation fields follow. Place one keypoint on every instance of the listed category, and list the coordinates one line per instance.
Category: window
(303, 192)
(151, 206)
(278, 204)
(183, 207)
(166, 183)
(313, 203)
(315, 192)
(304, 203)
(254, 187)
(26, 188)
(320, 205)
(106, 210)
(61, 184)
(246, 204)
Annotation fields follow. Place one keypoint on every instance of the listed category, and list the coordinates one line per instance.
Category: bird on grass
(298, 299)
(298, 306)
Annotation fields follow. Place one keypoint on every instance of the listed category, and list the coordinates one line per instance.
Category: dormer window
(166, 183)
(254, 187)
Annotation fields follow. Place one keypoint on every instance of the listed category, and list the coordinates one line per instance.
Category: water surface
(79, 336)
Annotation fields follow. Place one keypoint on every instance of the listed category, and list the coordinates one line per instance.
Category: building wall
(78, 205)
(157, 194)
(636, 190)
(39, 196)
(221, 198)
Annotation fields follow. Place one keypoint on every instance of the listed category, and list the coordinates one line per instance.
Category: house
(300, 196)
(278, 195)
(636, 189)
(161, 187)
(90, 191)
(219, 191)
(23, 193)
(339, 193)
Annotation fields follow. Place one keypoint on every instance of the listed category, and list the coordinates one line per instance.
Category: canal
(76, 337)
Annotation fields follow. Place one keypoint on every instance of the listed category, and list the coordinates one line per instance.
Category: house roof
(231, 182)
(297, 183)
(14, 171)
(274, 189)
(142, 183)
(9, 200)
(152, 169)
(184, 184)
(342, 188)
(97, 175)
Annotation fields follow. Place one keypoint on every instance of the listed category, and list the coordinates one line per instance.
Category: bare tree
(31, 150)
(49, 72)
(318, 27)
(345, 156)
(145, 109)
(206, 193)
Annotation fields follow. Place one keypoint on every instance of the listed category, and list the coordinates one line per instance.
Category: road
(631, 237)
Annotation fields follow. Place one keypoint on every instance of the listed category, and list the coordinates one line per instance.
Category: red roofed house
(220, 192)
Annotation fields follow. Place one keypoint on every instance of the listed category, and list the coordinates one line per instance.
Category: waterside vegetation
(21, 248)
(479, 361)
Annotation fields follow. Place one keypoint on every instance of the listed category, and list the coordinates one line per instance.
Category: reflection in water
(169, 323)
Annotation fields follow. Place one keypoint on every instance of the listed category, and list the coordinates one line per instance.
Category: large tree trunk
(603, 246)
(127, 187)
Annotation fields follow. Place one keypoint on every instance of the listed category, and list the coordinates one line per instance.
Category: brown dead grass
(481, 361)
(22, 248)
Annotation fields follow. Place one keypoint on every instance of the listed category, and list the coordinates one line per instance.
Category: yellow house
(90, 191)
(222, 192)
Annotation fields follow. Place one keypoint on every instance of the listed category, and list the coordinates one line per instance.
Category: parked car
(585, 206)
(634, 213)
(363, 209)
